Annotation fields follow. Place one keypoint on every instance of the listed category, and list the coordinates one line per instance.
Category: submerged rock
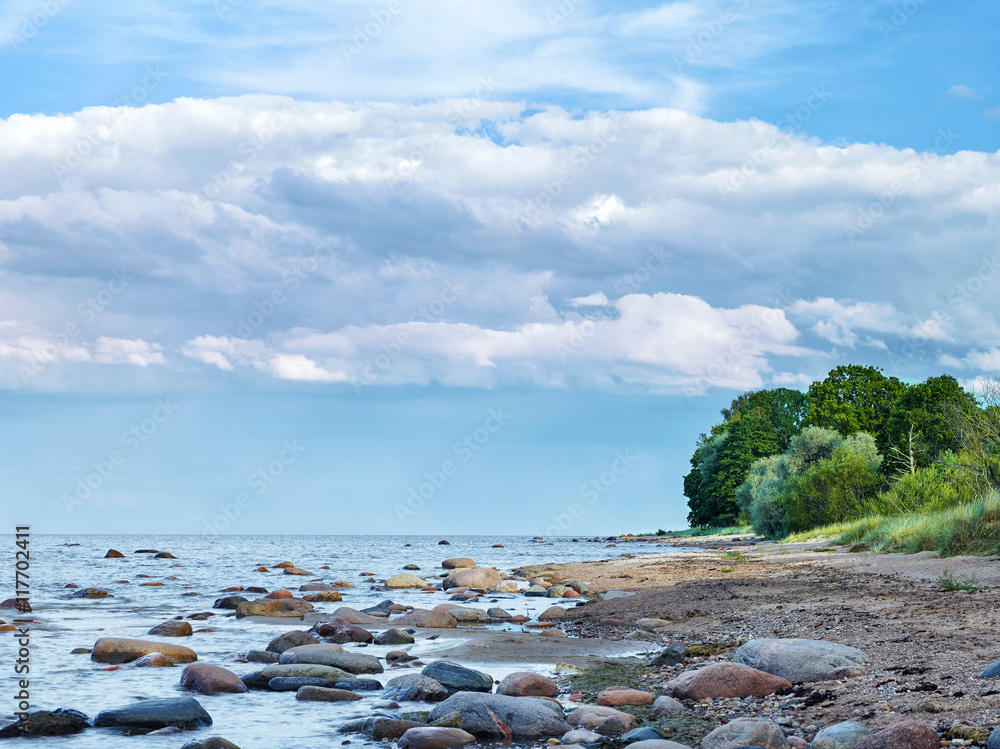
(260, 679)
(61, 722)
(124, 650)
(354, 663)
(185, 713)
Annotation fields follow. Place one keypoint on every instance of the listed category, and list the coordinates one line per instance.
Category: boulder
(498, 613)
(209, 679)
(353, 663)
(435, 738)
(61, 722)
(153, 660)
(798, 660)
(164, 555)
(295, 683)
(322, 647)
(404, 580)
(212, 742)
(667, 704)
(592, 717)
(994, 742)
(840, 736)
(124, 650)
(909, 734)
(353, 616)
(172, 628)
(642, 733)
(620, 696)
(476, 577)
(429, 619)
(671, 655)
(114, 554)
(282, 593)
(527, 684)
(499, 717)
(394, 637)
(656, 744)
(456, 563)
(261, 656)
(380, 727)
(291, 639)
(259, 679)
(650, 624)
(297, 571)
(338, 630)
(288, 607)
(416, 688)
(467, 615)
(457, 678)
(552, 612)
(185, 713)
(724, 680)
(229, 602)
(326, 596)
(746, 732)
(359, 685)
(992, 671)
(92, 593)
(325, 694)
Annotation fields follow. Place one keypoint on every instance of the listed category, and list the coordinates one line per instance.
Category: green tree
(750, 437)
(854, 398)
(922, 423)
(785, 409)
(696, 484)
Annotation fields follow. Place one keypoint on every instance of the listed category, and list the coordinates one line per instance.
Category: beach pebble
(416, 688)
(497, 613)
(164, 555)
(467, 615)
(385, 705)
(411, 567)
(720, 680)
(527, 684)
(457, 678)
(297, 571)
(185, 713)
(172, 628)
(435, 738)
(554, 633)
(393, 637)
(619, 696)
(209, 679)
(314, 693)
(353, 616)
(909, 734)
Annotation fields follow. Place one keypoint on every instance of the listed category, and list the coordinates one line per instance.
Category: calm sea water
(208, 563)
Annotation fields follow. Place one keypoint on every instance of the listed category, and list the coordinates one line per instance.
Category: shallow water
(208, 563)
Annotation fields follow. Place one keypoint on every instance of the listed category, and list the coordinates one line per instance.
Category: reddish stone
(910, 734)
(618, 696)
(113, 554)
(172, 628)
(153, 660)
(527, 684)
(280, 594)
(724, 680)
(231, 589)
(208, 679)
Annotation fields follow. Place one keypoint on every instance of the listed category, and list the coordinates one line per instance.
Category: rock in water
(209, 679)
(498, 717)
(430, 619)
(212, 742)
(527, 684)
(380, 727)
(114, 554)
(721, 680)
(404, 580)
(229, 602)
(476, 577)
(260, 679)
(910, 734)
(415, 687)
(172, 628)
(92, 593)
(59, 722)
(124, 650)
(183, 712)
(457, 563)
(294, 638)
(656, 744)
(435, 738)
(669, 656)
(394, 637)
(844, 735)
(153, 660)
(458, 678)
(295, 683)
(744, 732)
(325, 694)
(284, 607)
(798, 660)
(354, 663)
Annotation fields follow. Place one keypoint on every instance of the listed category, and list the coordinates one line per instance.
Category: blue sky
(365, 225)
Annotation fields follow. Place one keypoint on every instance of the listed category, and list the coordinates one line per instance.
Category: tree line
(856, 443)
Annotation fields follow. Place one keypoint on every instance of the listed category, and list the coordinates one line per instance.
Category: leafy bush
(936, 487)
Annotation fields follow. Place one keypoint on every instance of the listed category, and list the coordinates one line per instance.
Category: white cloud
(961, 91)
(128, 351)
(838, 321)
(591, 300)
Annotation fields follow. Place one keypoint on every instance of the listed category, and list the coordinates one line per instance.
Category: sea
(205, 564)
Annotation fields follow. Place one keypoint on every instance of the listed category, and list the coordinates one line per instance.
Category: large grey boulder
(499, 717)
(994, 742)
(992, 671)
(844, 735)
(185, 713)
(353, 663)
(458, 678)
(798, 660)
(744, 732)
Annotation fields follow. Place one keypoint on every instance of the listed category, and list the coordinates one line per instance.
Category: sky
(466, 267)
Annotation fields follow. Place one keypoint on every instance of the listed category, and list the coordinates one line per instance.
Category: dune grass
(972, 528)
